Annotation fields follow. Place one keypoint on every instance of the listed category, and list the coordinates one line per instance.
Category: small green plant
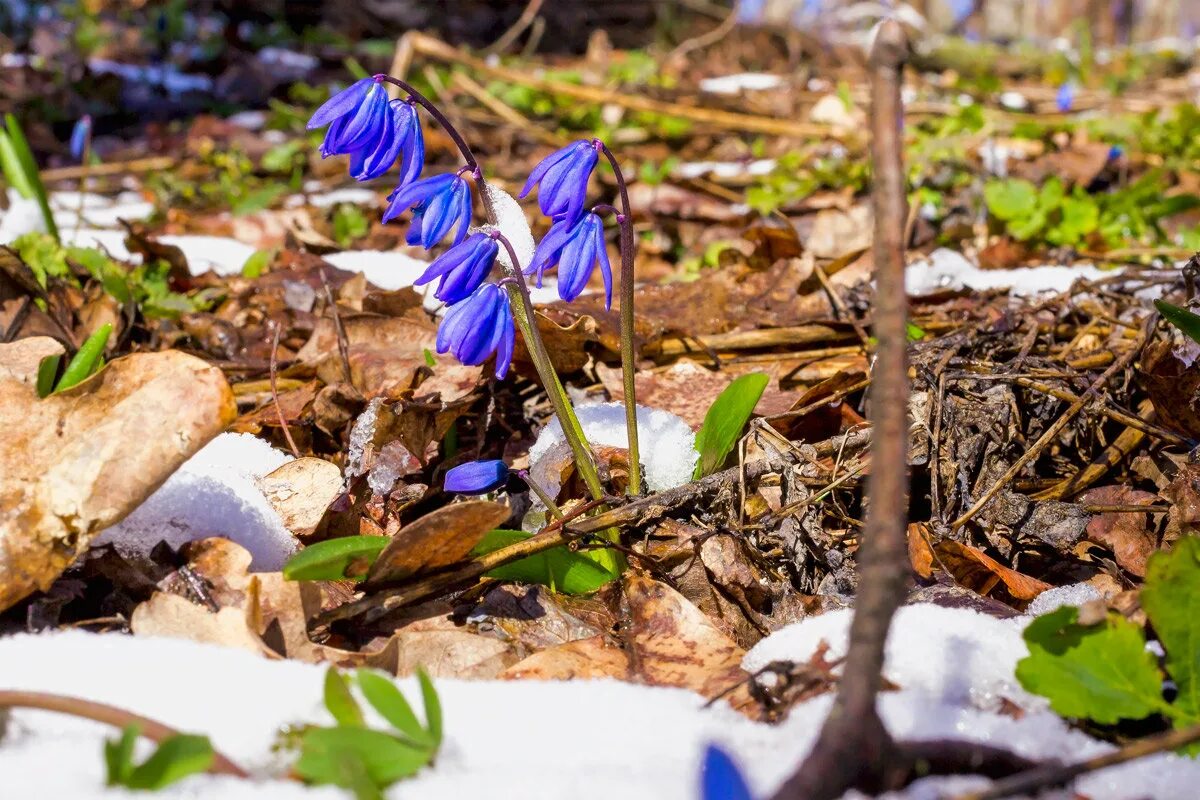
(1049, 214)
(175, 758)
(347, 557)
(21, 172)
(362, 759)
(725, 420)
(1103, 671)
(349, 224)
(1181, 318)
(559, 568)
(87, 361)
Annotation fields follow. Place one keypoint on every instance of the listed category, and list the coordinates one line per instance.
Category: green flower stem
(628, 367)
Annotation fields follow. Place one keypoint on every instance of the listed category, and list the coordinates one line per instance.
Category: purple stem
(435, 112)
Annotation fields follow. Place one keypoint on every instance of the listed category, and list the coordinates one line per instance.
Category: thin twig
(528, 15)
(287, 432)
(109, 715)
(709, 38)
(342, 341)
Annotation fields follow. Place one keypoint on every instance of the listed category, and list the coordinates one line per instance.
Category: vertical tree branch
(854, 749)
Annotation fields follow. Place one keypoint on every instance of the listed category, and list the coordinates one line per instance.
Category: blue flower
(402, 127)
(479, 326)
(563, 178)
(357, 117)
(575, 247)
(476, 477)
(1065, 99)
(462, 268)
(961, 9)
(720, 778)
(80, 135)
(438, 203)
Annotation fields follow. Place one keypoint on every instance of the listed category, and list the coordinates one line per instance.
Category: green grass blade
(24, 156)
(87, 360)
(725, 419)
(1181, 318)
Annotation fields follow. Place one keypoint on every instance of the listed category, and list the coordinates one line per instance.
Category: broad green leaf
(257, 263)
(725, 419)
(340, 701)
(433, 707)
(1181, 318)
(257, 199)
(1025, 228)
(1171, 599)
(118, 755)
(1051, 195)
(1010, 199)
(385, 697)
(175, 759)
(43, 256)
(87, 359)
(352, 774)
(335, 559)
(385, 758)
(559, 568)
(1102, 672)
(47, 370)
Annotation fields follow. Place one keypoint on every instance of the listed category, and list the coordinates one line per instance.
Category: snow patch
(667, 444)
(510, 221)
(948, 270)
(214, 493)
(741, 82)
(725, 169)
(386, 269)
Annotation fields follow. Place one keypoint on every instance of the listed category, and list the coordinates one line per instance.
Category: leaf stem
(628, 365)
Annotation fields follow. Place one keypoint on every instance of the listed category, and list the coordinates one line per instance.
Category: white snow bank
(741, 82)
(667, 445)
(214, 493)
(946, 269)
(589, 740)
(389, 270)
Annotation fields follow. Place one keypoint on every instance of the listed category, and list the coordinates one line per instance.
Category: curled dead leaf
(436, 540)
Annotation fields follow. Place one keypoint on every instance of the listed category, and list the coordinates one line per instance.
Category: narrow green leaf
(335, 559)
(10, 165)
(385, 697)
(1181, 318)
(433, 708)
(386, 758)
(118, 755)
(47, 370)
(86, 360)
(175, 759)
(725, 419)
(340, 701)
(1100, 672)
(257, 263)
(559, 568)
(1171, 599)
(24, 156)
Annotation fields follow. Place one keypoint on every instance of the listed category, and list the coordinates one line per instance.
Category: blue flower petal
(340, 104)
(721, 779)
(562, 179)
(476, 477)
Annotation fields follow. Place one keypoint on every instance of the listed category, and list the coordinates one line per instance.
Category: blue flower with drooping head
(439, 203)
(401, 132)
(80, 135)
(1065, 98)
(476, 477)
(720, 777)
(575, 247)
(358, 118)
(479, 326)
(563, 177)
(462, 268)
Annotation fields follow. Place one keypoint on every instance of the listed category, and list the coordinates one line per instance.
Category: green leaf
(385, 758)
(43, 256)
(118, 755)
(340, 701)
(175, 759)
(1102, 672)
(24, 156)
(47, 370)
(433, 707)
(335, 559)
(352, 774)
(349, 224)
(725, 419)
(1171, 599)
(257, 199)
(87, 360)
(1181, 318)
(1010, 199)
(385, 698)
(257, 263)
(559, 568)
(10, 165)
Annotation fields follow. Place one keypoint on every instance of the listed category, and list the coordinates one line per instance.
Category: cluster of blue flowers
(376, 132)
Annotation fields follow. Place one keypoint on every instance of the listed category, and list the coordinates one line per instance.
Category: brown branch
(528, 15)
(854, 750)
(109, 715)
(274, 369)
(1045, 777)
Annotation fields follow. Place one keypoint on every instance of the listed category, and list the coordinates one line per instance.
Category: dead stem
(287, 432)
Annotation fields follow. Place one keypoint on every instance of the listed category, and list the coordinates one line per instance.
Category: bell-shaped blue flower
(401, 131)
(462, 268)
(576, 248)
(439, 203)
(358, 118)
(476, 477)
(562, 180)
(479, 326)
(1065, 97)
(721, 779)
(80, 134)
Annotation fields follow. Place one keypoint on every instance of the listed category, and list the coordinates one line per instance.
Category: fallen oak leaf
(976, 570)
(438, 539)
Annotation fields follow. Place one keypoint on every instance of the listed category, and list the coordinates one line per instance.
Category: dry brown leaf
(453, 654)
(170, 615)
(1128, 535)
(438, 539)
(920, 554)
(300, 491)
(594, 657)
(675, 644)
(75, 463)
(836, 233)
(976, 570)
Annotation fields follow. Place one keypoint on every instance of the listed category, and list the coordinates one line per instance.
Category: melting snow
(946, 269)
